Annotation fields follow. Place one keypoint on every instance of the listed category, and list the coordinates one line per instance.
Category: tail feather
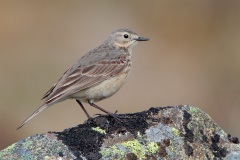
(40, 109)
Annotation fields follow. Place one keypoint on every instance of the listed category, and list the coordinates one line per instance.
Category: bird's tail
(40, 109)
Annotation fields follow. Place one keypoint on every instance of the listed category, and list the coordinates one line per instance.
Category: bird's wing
(82, 77)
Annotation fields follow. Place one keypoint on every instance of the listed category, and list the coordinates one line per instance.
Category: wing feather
(83, 77)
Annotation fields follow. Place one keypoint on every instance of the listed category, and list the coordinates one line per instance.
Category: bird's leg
(105, 111)
(85, 111)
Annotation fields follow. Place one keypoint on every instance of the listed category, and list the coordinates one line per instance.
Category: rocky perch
(173, 132)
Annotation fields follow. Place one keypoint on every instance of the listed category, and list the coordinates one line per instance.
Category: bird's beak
(141, 39)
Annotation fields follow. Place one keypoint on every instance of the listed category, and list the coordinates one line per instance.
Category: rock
(180, 132)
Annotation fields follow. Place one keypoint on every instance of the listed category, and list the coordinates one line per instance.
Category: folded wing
(82, 77)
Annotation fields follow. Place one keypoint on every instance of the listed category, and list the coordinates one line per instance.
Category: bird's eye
(125, 36)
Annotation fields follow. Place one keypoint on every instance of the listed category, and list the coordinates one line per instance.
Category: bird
(97, 75)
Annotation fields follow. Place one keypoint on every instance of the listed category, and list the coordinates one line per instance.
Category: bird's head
(124, 38)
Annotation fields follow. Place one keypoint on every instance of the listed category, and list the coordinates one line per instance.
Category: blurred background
(193, 58)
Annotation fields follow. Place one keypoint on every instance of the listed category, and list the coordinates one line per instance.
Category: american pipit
(97, 75)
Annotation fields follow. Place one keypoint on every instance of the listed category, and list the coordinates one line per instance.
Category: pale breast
(103, 90)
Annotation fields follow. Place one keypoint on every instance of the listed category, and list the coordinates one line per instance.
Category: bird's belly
(102, 90)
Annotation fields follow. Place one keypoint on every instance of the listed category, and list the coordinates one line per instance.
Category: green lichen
(46, 158)
(52, 158)
(139, 147)
(139, 134)
(98, 129)
(30, 157)
(193, 110)
(152, 148)
(106, 152)
(28, 144)
(117, 151)
(172, 148)
(113, 151)
(136, 148)
(175, 131)
(8, 150)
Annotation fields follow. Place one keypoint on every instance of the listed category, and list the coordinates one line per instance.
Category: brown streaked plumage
(97, 75)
